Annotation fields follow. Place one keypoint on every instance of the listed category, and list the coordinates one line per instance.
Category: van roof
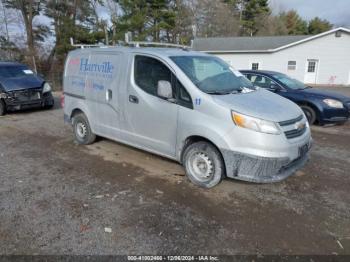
(146, 50)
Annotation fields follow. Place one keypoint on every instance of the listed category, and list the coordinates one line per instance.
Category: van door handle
(133, 99)
(109, 95)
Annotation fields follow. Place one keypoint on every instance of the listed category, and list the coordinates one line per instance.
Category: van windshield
(212, 75)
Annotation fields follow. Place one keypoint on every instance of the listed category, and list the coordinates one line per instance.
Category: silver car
(187, 106)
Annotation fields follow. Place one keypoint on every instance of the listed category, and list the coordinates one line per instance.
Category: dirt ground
(59, 198)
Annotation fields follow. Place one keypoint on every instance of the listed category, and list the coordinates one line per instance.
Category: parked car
(187, 106)
(20, 88)
(323, 107)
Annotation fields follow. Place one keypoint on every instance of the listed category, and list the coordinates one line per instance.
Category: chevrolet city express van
(187, 106)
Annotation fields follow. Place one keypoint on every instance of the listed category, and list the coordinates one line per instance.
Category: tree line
(48, 25)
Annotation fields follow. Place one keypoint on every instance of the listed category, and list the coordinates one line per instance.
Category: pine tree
(252, 12)
(147, 19)
(294, 23)
(317, 26)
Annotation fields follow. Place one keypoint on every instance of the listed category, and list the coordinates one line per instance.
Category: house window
(292, 65)
(311, 68)
(255, 66)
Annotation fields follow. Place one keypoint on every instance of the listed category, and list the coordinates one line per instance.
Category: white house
(317, 59)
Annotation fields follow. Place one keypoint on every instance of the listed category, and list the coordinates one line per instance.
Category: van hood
(20, 83)
(262, 104)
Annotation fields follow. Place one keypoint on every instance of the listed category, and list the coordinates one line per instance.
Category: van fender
(79, 106)
(201, 134)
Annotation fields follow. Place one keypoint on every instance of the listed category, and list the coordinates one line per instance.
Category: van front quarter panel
(201, 121)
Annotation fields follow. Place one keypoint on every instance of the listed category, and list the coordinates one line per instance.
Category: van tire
(211, 170)
(82, 131)
(310, 114)
(2, 107)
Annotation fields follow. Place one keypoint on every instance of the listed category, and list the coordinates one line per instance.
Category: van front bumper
(261, 169)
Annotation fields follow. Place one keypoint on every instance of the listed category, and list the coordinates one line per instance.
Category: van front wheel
(204, 165)
(82, 131)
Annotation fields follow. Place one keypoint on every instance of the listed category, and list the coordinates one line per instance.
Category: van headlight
(255, 124)
(333, 103)
(47, 88)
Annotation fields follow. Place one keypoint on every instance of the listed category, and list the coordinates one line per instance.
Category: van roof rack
(138, 44)
(132, 43)
(82, 46)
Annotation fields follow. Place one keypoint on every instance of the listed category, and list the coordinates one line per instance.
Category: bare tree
(214, 18)
(29, 9)
(113, 10)
(5, 20)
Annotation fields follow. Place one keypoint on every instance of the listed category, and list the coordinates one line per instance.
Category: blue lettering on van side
(104, 67)
(98, 87)
(78, 83)
(91, 85)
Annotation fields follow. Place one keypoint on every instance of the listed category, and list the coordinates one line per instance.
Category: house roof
(254, 44)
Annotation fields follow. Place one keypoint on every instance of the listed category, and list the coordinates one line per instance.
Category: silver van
(187, 106)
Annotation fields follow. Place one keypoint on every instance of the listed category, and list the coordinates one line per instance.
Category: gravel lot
(59, 198)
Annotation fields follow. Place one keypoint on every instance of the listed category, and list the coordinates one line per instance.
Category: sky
(335, 11)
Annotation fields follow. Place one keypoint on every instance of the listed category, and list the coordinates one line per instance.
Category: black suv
(20, 88)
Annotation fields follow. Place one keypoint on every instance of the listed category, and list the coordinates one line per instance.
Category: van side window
(148, 71)
(183, 97)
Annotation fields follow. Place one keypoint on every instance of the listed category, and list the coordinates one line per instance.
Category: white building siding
(332, 53)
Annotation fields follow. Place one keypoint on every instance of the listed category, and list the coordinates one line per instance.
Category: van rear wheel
(82, 131)
(204, 165)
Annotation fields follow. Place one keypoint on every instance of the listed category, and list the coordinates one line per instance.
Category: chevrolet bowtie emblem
(299, 125)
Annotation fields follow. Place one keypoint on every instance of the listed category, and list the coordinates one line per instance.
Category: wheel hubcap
(81, 129)
(201, 166)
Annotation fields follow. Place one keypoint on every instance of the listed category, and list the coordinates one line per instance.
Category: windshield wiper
(234, 91)
(218, 93)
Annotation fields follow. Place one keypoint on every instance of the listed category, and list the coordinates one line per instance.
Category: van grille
(295, 133)
(292, 129)
(291, 122)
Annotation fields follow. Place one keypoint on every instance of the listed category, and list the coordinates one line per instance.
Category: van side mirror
(164, 89)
